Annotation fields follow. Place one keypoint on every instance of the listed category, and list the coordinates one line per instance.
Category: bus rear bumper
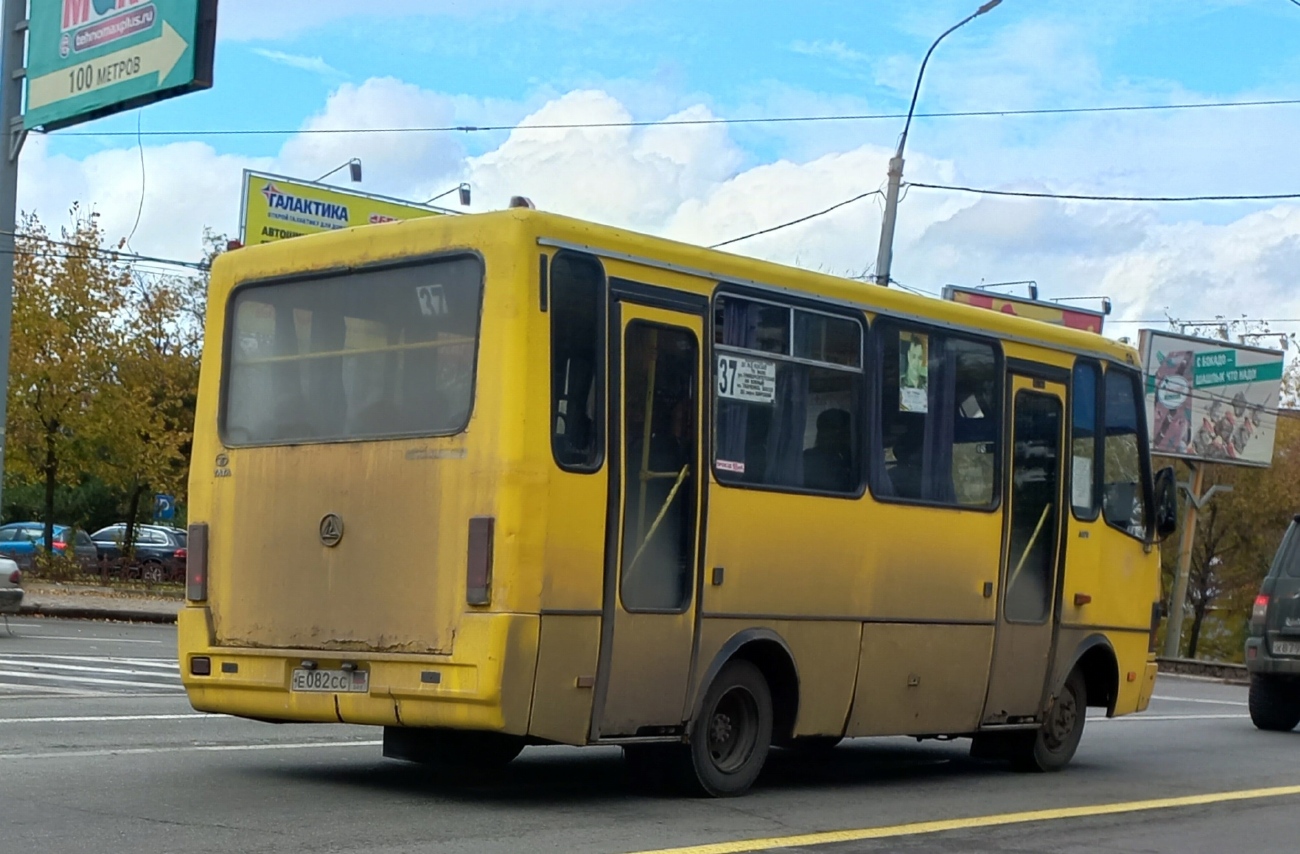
(485, 684)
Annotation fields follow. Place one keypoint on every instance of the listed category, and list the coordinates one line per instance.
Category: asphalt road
(123, 764)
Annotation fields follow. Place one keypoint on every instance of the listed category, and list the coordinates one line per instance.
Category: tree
(68, 295)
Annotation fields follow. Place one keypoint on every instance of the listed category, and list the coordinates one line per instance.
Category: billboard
(1048, 312)
(91, 58)
(276, 207)
(1211, 400)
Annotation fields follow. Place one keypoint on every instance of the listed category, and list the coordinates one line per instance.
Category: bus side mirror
(1166, 489)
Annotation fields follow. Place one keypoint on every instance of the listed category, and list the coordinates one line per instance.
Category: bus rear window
(368, 354)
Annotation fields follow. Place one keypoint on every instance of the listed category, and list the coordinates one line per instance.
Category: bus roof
(329, 251)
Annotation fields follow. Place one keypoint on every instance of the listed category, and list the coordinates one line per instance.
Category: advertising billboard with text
(1211, 400)
(276, 208)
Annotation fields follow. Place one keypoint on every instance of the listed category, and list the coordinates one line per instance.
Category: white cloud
(695, 183)
(314, 64)
(836, 50)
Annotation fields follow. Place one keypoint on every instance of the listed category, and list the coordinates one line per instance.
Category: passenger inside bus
(906, 473)
(828, 464)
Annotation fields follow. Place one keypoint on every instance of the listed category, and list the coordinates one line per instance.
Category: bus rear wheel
(731, 736)
(1052, 747)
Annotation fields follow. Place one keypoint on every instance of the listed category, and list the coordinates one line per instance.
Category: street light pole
(885, 255)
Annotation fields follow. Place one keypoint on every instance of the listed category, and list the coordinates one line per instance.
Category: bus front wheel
(731, 736)
(1052, 747)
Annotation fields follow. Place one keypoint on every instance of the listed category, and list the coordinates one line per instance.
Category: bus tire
(731, 736)
(1274, 704)
(1052, 746)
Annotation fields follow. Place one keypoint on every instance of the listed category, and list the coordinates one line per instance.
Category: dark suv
(1273, 648)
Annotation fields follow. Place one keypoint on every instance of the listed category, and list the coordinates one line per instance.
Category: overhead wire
(833, 207)
(985, 191)
(847, 117)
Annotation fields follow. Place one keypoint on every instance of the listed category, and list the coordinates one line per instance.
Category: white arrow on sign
(156, 56)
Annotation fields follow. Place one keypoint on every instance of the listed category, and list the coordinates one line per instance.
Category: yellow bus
(508, 479)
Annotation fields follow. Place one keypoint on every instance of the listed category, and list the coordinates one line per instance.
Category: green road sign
(92, 58)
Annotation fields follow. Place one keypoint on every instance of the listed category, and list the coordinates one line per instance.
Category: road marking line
(831, 837)
(38, 665)
(39, 636)
(59, 677)
(1190, 700)
(165, 663)
(189, 748)
(111, 718)
(47, 691)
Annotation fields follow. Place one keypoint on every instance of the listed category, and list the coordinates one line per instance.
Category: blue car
(21, 541)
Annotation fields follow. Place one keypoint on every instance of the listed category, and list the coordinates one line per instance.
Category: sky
(291, 67)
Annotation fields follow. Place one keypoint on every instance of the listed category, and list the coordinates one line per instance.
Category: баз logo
(331, 530)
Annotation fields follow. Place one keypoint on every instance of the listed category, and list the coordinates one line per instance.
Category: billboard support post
(13, 40)
(1196, 501)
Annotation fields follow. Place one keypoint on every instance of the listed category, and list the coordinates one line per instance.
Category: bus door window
(1035, 491)
(660, 402)
(939, 414)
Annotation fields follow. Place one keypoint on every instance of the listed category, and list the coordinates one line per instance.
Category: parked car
(1273, 647)
(11, 590)
(21, 541)
(159, 551)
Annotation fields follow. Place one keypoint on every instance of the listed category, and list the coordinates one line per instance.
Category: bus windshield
(366, 354)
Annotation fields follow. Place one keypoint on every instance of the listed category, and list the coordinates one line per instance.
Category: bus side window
(577, 305)
(1124, 499)
(1085, 430)
(940, 417)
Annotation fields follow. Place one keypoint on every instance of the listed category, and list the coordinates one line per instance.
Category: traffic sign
(164, 507)
(92, 58)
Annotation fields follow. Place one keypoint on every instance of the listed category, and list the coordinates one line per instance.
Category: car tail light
(196, 569)
(478, 574)
(16, 577)
(180, 554)
(58, 544)
(1259, 612)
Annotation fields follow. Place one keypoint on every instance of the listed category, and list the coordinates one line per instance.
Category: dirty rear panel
(344, 401)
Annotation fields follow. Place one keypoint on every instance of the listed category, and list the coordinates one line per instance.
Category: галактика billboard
(1211, 400)
(276, 208)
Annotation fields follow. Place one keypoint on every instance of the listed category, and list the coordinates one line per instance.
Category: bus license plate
(331, 681)
(1286, 647)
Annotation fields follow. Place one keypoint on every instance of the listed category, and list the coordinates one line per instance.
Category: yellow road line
(920, 827)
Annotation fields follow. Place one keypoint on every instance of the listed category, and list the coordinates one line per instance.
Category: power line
(835, 206)
(984, 191)
(112, 254)
(851, 117)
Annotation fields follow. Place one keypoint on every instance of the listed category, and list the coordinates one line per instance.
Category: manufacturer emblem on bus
(331, 530)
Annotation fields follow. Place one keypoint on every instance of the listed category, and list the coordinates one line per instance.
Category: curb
(81, 612)
(1235, 674)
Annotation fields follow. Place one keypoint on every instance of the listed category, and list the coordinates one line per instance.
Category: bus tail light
(1258, 613)
(478, 573)
(196, 565)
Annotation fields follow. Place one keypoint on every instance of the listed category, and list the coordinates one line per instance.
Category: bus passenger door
(1022, 647)
(652, 534)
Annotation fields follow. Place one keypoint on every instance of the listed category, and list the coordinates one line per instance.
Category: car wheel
(1052, 747)
(731, 736)
(1274, 703)
(152, 572)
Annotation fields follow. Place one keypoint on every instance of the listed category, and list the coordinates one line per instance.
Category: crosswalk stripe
(53, 665)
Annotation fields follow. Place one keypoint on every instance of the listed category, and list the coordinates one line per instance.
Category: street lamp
(354, 170)
(885, 255)
(463, 189)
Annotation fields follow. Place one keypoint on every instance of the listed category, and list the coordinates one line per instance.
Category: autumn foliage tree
(68, 298)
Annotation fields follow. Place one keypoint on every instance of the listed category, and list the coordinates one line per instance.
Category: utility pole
(1186, 538)
(885, 254)
(13, 42)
